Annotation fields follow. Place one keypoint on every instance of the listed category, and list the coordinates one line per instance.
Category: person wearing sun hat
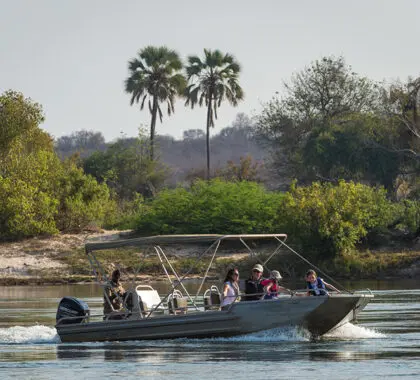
(272, 287)
(253, 288)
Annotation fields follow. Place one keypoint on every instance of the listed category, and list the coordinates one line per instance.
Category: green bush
(212, 207)
(326, 219)
(410, 216)
(122, 215)
(83, 202)
(24, 210)
(28, 204)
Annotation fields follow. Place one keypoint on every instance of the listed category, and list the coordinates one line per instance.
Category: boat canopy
(174, 239)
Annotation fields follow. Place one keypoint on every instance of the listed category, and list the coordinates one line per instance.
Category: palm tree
(211, 82)
(155, 74)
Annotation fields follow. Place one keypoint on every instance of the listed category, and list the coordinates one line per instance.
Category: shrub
(410, 216)
(325, 219)
(24, 210)
(216, 206)
(83, 202)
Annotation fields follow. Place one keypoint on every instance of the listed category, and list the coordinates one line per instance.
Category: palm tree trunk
(208, 137)
(153, 128)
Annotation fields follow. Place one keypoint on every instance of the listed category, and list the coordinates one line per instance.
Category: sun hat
(258, 267)
(275, 274)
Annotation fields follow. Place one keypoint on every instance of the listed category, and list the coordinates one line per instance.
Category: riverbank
(60, 259)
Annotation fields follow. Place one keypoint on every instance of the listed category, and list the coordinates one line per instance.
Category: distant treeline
(185, 158)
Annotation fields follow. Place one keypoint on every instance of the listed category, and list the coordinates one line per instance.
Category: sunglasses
(256, 271)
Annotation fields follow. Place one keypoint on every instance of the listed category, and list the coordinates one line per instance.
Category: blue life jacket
(321, 288)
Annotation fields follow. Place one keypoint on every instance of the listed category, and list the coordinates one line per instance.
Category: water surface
(384, 344)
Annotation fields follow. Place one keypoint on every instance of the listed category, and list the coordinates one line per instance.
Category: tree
(402, 103)
(193, 134)
(326, 89)
(348, 149)
(320, 96)
(212, 80)
(127, 168)
(83, 202)
(155, 75)
(19, 117)
(245, 170)
(28, 169)
(83, 142)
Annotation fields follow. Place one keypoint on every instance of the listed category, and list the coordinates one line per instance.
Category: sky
(71, 56)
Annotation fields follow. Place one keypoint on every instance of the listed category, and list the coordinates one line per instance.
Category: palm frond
(160, 113)
(191, 95)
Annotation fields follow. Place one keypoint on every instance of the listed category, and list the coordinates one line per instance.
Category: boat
(146, 315)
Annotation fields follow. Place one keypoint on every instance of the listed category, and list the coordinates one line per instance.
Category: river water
(385, 343)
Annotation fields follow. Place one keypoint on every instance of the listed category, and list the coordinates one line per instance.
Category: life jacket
(273, 291)
(319, 285)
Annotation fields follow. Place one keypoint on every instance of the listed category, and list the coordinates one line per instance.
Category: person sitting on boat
(317, 286)
(272, 287)
(253, 288)
(114, 293)
(231, 287)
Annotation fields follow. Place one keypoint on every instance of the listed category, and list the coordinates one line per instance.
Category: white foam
(350, 331)
(30, 334)
(292, 334)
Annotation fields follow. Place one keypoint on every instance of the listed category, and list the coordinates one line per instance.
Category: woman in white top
(231, 287)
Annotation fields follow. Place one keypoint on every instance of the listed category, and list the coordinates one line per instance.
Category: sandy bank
(26, 259)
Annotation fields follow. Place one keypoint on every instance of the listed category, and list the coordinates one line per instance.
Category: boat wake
(293, 334)
(28, 334)
(350, 331)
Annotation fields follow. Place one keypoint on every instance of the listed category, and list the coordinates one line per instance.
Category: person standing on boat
(253, 287)
(272, 287)
(317, 286)
(114, 293)
(231, 287)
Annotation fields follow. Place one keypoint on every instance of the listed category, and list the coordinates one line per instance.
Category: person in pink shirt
(272, 287)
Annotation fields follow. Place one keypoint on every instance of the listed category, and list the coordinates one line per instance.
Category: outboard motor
(70, 307)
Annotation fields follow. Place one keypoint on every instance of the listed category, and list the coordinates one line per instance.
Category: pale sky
(71, 56)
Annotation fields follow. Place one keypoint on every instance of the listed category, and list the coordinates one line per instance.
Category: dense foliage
(127, 168)
(212, 207)
(39, 194)
(334, 124)
(326, 219)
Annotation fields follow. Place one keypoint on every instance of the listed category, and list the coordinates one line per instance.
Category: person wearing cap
(113, 293)
(272, 287)
(254, 290)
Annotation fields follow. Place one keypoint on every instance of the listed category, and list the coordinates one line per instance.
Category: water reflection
(207, 352)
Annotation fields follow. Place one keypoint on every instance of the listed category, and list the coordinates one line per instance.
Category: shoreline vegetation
(60, 259)
(338, 173)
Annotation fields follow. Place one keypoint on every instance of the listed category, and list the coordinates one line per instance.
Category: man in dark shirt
(253, 285)
(114, 293)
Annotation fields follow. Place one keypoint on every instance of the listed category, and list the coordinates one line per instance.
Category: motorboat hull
(317, 314)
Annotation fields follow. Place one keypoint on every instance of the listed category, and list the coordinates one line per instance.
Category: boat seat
(177, 304)
(148, 298)
(212, 298)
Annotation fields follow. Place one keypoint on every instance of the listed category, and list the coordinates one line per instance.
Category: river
(385, 343)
